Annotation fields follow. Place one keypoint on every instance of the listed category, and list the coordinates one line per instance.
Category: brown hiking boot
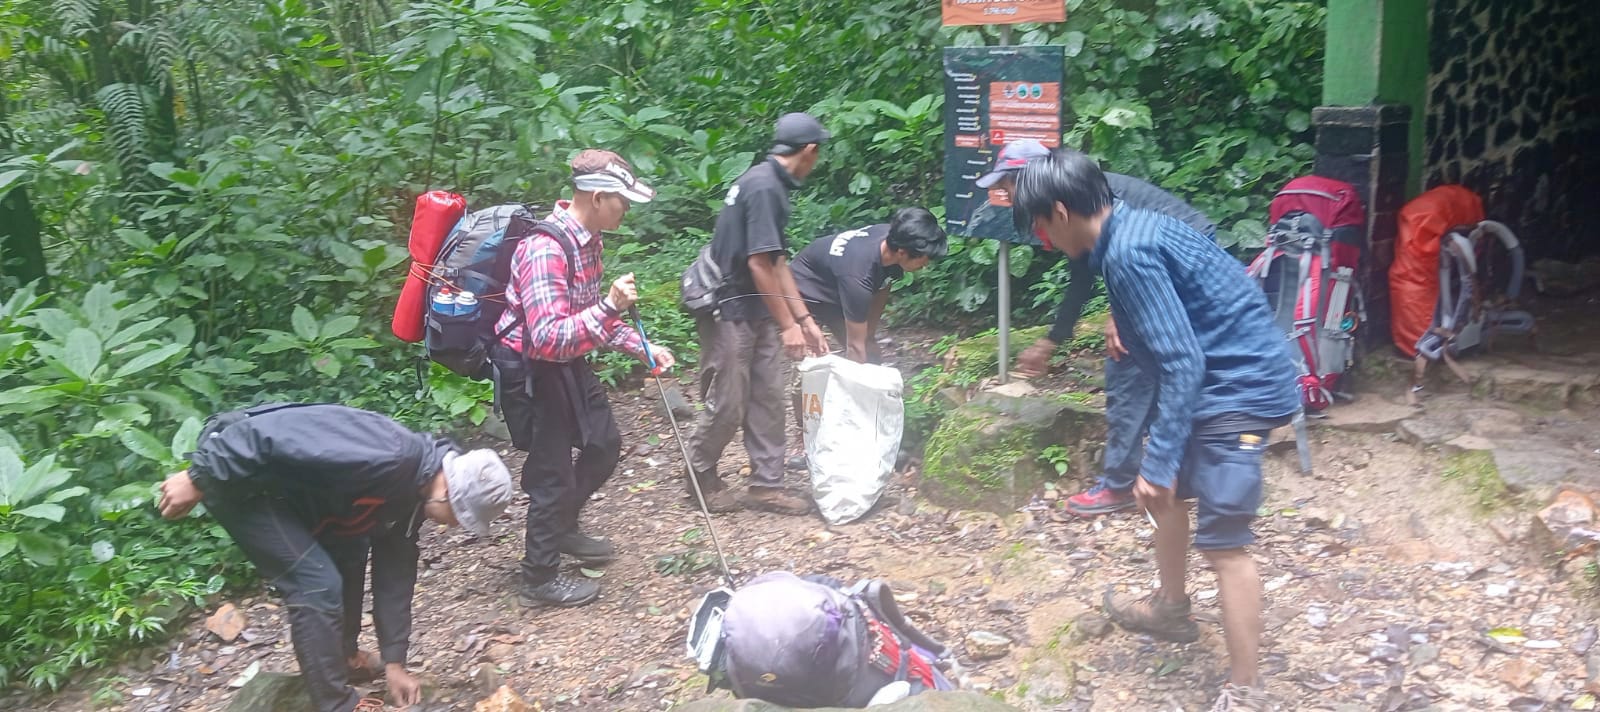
(778, 500)
(1154, 616)
(720, 498)
(722, 501)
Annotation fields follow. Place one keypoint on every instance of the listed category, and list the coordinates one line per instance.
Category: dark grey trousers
(741, 385)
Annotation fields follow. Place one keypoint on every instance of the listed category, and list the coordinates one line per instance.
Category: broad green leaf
(150, 358)
(127, 335)
(327, 366)
(8, 543)
(144, 444)
(305, 325)
(10, 179)
(361, 342)
(183, 441)
(102, 551)
(42, 549)
(82, 354)
(241, 264)
(51, 512)
(128, 496)
(66, 493)
(339, 326)
(272, 347)
(100, 308)
(55, 322)
(20, 485)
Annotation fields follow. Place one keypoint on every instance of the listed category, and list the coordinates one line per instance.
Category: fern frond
(125, 108)
(78, 17)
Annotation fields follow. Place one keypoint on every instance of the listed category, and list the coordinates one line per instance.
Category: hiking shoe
(1098, 500)
(586, 549)
(563, 591)
(778, 500)
(796, 463)
(1154, 616)
(1238, 698)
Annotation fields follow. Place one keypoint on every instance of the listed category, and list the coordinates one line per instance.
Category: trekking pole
(694, 482)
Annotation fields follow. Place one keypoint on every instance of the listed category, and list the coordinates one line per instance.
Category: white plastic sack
(853, 416)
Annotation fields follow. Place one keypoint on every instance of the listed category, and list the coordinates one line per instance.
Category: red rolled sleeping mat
(1414, 274)
(437, 212)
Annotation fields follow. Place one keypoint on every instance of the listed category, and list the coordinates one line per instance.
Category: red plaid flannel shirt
(566, 320)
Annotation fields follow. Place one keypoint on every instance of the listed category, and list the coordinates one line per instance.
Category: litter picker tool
(694, 482)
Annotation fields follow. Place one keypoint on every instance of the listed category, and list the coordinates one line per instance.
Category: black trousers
(552, 409)
(322, 580)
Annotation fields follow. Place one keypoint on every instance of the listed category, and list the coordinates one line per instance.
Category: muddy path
(1383, 579)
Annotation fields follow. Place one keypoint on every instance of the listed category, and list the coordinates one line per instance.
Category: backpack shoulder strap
(553, 231)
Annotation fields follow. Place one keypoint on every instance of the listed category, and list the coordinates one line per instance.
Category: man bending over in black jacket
(305, 490)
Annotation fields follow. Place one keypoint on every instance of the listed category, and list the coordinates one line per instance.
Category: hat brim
(989, 179)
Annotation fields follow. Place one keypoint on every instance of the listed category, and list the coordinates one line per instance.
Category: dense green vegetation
(204, 204)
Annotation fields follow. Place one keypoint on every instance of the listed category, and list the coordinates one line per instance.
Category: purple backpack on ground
(812, 642)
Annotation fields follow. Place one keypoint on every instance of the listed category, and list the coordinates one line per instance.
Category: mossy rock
(960, 701)
(986, 454)
(272, 692)
(974, 359)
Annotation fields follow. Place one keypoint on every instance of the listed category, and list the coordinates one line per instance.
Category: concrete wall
(1513, 113)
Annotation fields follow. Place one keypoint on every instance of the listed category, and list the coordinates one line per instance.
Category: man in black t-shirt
(845, 278)
(761, 316)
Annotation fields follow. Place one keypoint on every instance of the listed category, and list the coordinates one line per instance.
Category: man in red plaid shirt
(550, 396)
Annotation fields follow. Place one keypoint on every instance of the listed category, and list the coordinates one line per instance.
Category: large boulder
(990, 453)
(960, 701)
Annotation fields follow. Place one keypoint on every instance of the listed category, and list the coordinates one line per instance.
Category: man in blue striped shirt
(1186, 311)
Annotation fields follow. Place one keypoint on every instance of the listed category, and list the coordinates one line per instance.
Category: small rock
(1090, 626)
(1317, 617)
(983, 645)
(227, 623)
(504, 699)
(499, 652)
(1592, 670)
(1585, 640)
(679, 405)
(486, 678)
(271, 692)
(1015, 389)
(1519, 674)
(1424, 654)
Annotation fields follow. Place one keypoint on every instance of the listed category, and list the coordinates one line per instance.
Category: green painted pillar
(1377, 53)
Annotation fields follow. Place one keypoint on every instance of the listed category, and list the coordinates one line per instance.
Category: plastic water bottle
(444, 303)
(466, 304)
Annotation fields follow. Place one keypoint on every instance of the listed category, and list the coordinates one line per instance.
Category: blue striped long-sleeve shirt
(1187, 307)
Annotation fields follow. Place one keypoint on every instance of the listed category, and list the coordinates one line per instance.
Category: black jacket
(343, 472)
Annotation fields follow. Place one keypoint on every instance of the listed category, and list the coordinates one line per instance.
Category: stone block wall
(1514, 114)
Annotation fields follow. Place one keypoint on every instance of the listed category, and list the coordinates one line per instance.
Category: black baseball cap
(796, 131)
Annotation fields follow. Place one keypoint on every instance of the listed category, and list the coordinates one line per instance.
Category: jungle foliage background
(204, 204)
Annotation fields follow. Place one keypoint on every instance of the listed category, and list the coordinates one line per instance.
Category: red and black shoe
(1098, 500)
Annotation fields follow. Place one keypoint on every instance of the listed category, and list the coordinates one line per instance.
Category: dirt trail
(1381, 581)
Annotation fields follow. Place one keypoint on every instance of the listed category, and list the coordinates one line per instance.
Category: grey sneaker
(1153, 615)
(563, 591)
(1238, 698)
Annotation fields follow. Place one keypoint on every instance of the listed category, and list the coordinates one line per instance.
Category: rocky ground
(1400, 575)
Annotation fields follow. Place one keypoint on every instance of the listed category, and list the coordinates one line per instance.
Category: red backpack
(1308, 270)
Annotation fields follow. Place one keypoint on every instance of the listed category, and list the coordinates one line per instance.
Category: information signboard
(994, 95)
